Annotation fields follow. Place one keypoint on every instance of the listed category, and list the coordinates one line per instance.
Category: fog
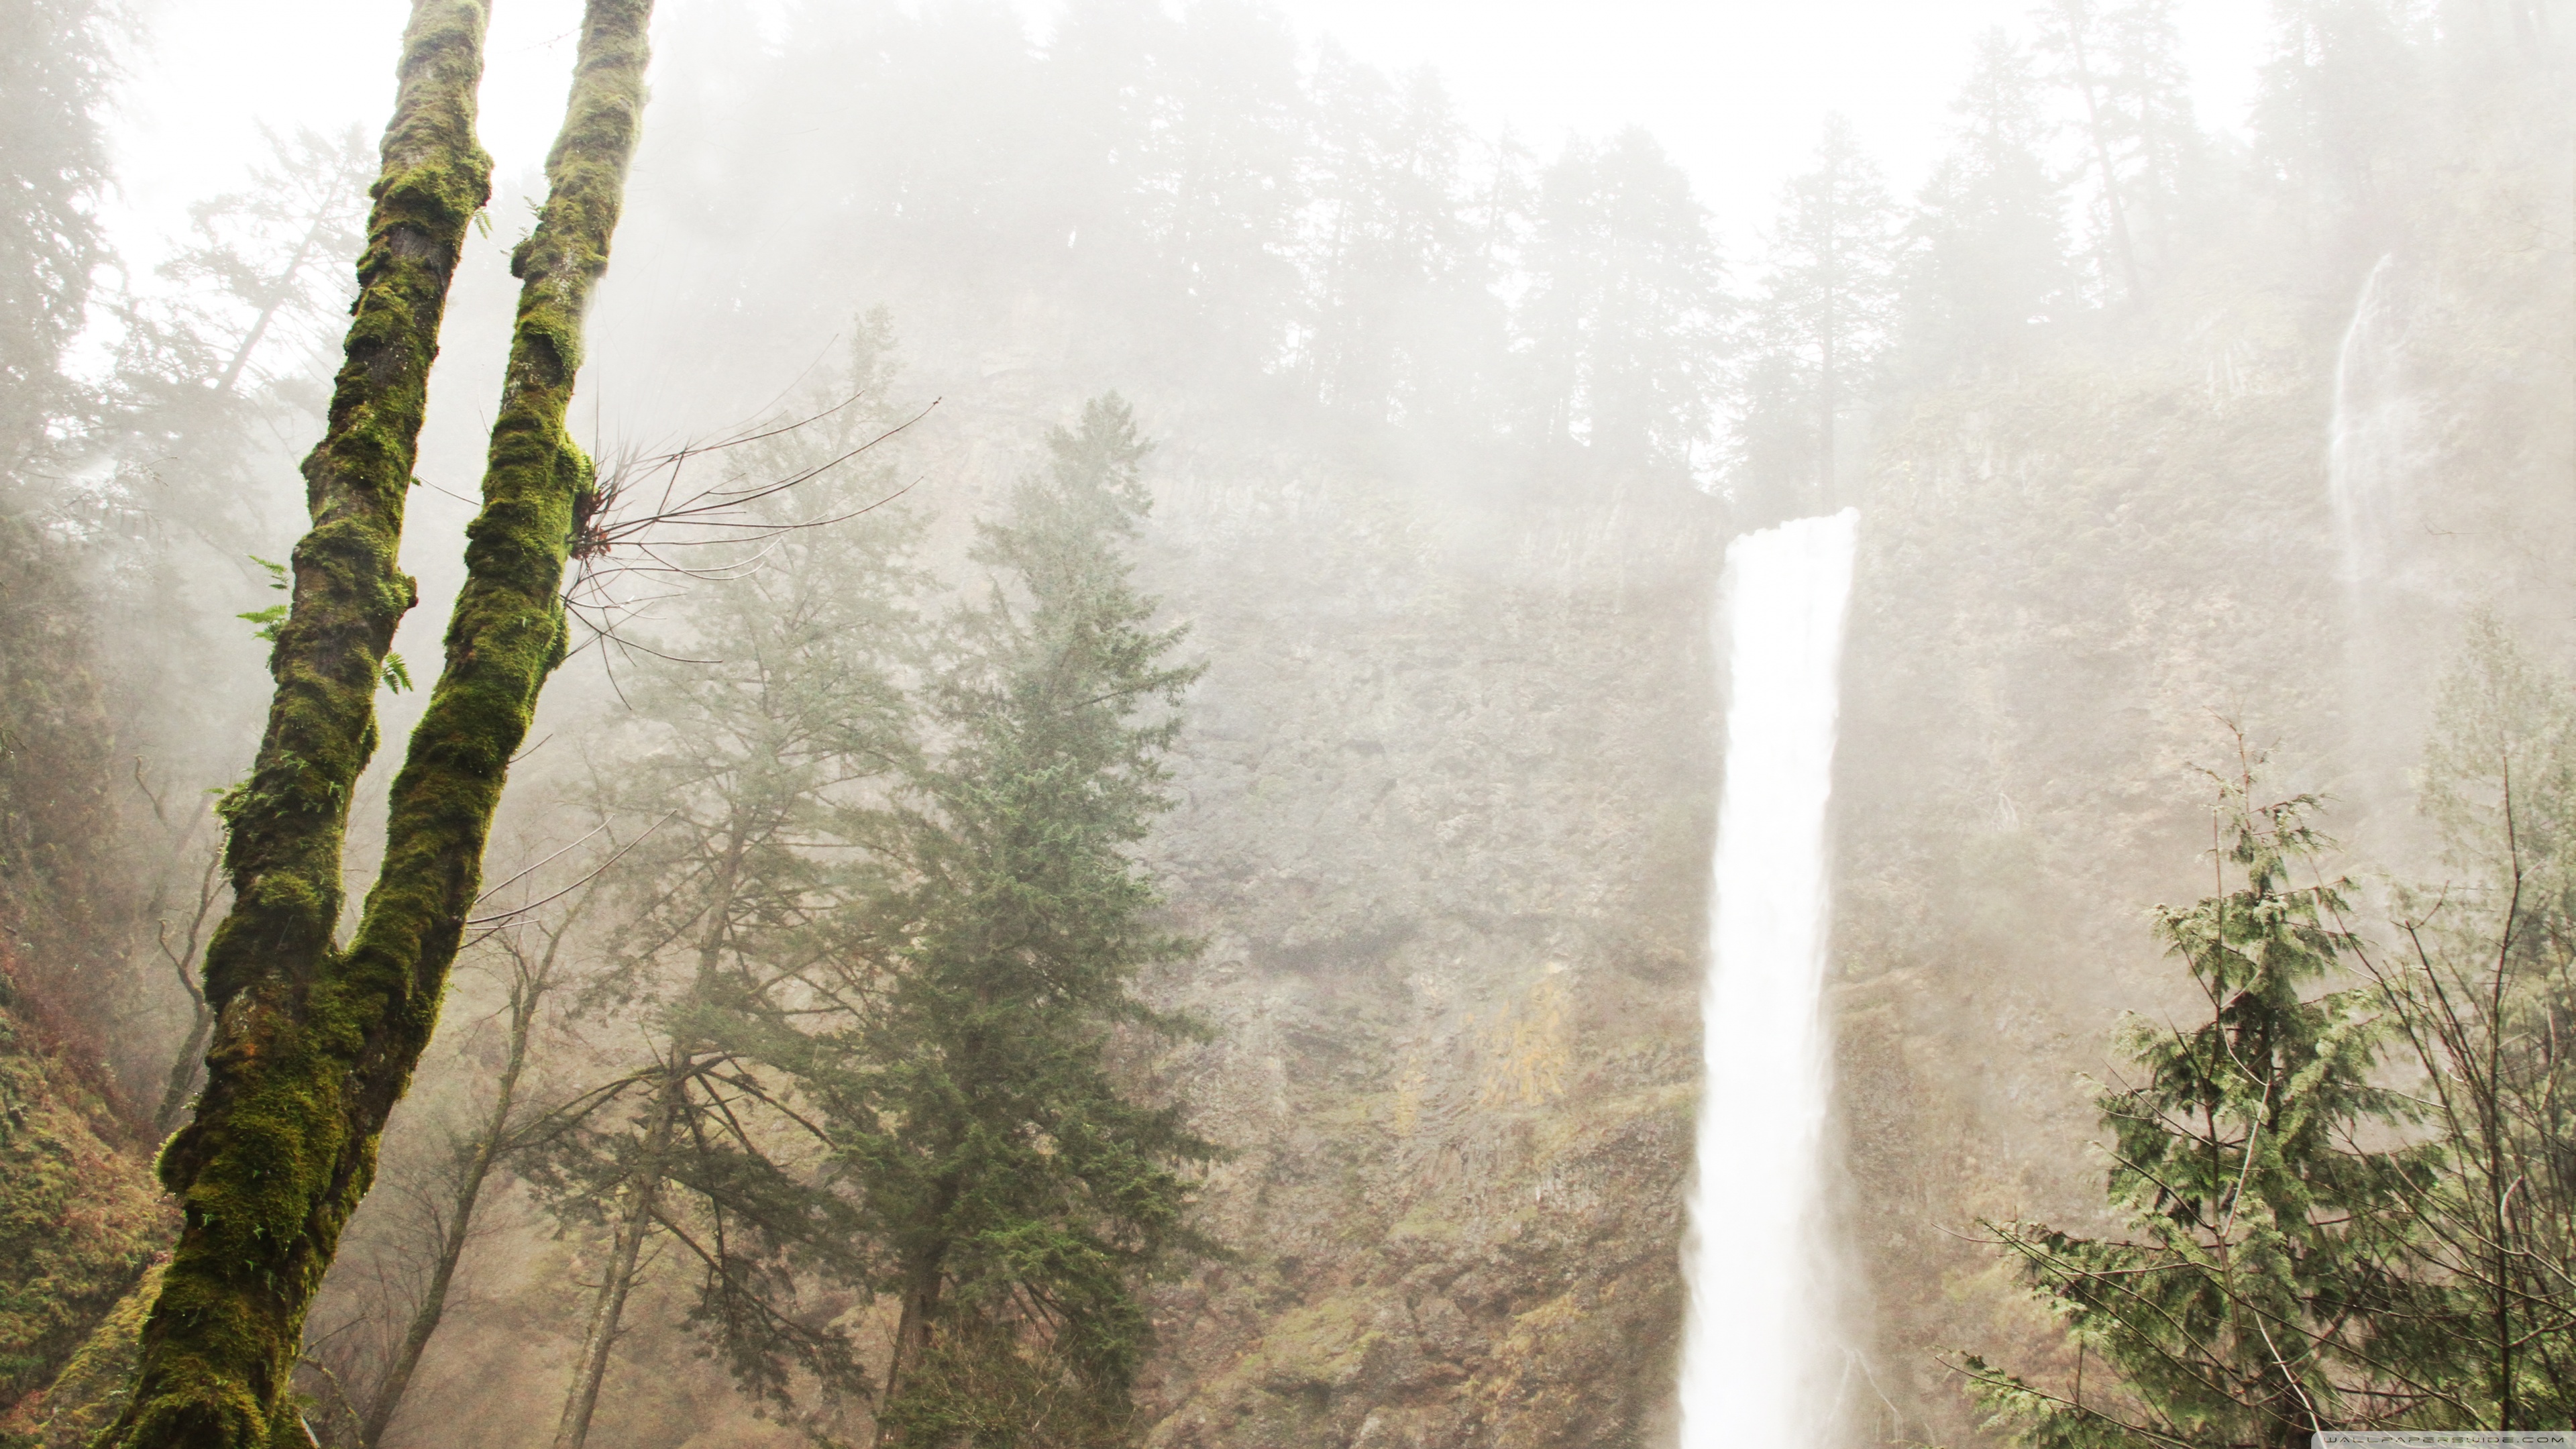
(1150, 821)
(1734, 90)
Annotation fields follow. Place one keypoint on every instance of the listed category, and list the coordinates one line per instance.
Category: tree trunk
(2121, 246)
(255, 1177)
(634, 1224)
(641, 1196)
(279, 292)
(183, 1071)
(911, 1333)
(923, 1271)
(183, 1068)
(487, 1150)
(314, 1046)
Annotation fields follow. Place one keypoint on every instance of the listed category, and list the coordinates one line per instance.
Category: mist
(1295, 725)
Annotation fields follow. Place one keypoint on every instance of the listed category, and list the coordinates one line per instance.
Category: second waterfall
(1757, 1349)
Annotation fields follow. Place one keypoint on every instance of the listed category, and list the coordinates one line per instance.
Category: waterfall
(1757, 1349)
(2374, 450)
(2372, 438)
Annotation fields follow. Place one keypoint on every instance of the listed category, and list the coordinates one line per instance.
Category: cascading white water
(2372, 440)
(2374, 453)
(1757, 1348)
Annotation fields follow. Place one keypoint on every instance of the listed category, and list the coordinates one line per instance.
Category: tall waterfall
(2372, 439)
(1757, 1350)
(2374, 447)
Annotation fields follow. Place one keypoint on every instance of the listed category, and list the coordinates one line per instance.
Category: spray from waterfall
(1758, 1353)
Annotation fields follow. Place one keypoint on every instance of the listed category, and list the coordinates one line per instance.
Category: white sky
(1736, 89)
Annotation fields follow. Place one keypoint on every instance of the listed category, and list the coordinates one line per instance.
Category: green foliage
(268, 621)
(2251, 1299)
(64, 893)
(1020, 1192)
(2483, 998)
(2309, 1248)
(764, 739)
(92, 1388)
(56, 65)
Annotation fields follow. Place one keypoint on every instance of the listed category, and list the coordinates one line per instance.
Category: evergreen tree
(2341, 105)
(62, 895)
(1017, 1188)
(1623, 314)
(55, 69)
(770, 728)
(2252, 1299)
(2483, 997)
(1818, 333)
(1988, 259)
(1219, 188)
(209, 372)
(1399, 283)
(389, 1288)
(2123, 62)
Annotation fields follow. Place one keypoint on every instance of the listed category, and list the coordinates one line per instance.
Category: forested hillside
(1182, 514)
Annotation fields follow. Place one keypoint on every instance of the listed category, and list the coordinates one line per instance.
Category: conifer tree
(1624, 308)
(2482, 995)
(536, 962)
(55, 67)
(1989, 235)
(1398, 286)
(208, 373)
(1225, 129)
(2248, 1300)
(2123, 62)
(61, 891)
(1818, 332)
(1016, 1187)
(2340, 105)
(755, 796)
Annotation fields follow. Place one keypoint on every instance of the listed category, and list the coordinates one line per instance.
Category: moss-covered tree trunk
(314, 1046)
(256, 1169)
(527, 996)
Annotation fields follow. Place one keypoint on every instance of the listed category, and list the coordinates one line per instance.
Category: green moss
(264, 1171)
(1324, 1345)
(92, 1389)
(80, 1218)
(313, 1046)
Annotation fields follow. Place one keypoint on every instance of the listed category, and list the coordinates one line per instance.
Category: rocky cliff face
(1447, 793)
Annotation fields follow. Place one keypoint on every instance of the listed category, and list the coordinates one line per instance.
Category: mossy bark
(304, 1076)
(526, 995)
(261, 1171)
